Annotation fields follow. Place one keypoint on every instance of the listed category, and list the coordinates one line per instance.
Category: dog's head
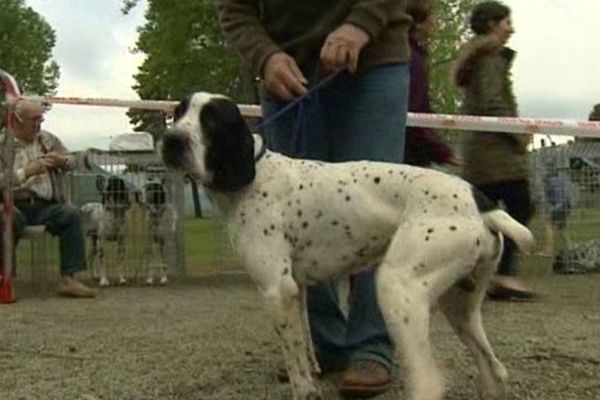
(211, 142)
(155, 197)
(114, 192)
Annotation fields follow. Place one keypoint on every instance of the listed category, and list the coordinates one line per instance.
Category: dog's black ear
(181, 108)
(230, 146)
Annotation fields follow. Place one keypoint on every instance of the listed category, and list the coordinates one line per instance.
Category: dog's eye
(180, 109)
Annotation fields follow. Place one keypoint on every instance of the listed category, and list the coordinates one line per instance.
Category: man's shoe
(71, 287)
(503, 287)
(328, 365)
(365, 378)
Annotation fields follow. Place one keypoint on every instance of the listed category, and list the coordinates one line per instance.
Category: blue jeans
(352, 118)
(62, 220)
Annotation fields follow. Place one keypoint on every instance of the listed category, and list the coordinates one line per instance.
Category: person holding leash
(361, 46)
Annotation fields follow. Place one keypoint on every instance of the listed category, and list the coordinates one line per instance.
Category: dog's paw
(122, 281)
(150, 281)
(163, 281)
(104, 282)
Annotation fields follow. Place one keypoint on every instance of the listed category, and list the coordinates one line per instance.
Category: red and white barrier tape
(440, 121)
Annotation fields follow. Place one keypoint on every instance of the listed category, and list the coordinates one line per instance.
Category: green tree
(451, 32)
(184, 50)
(26, 42)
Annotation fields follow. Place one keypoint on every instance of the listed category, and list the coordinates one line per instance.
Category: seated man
(40, 160)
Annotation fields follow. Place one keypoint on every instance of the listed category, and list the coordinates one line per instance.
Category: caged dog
(433, 239)
(112, 227)
(160, 218)
(93, 215)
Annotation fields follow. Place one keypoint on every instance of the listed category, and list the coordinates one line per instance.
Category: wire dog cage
(566, 189)
(132, 208)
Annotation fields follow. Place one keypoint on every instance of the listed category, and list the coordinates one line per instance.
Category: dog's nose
(174, 147)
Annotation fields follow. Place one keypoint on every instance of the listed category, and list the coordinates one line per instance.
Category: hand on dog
(283, 78)
(342, 48)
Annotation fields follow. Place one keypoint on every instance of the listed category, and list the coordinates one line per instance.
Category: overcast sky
(556, 73)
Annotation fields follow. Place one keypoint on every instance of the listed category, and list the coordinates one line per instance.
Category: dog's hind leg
(283, 300)
(424, 259)
(462, 307)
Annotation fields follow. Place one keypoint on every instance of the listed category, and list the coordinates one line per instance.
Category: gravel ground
(208, 338)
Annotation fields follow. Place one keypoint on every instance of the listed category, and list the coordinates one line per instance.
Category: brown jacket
(259, 28)
(49, 143)
(483, 71)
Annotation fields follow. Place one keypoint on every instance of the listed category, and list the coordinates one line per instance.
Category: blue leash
(258, 127)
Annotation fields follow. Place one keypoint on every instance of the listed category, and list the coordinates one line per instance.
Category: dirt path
(209, 339)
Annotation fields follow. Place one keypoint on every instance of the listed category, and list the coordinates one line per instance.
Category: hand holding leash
(283, 78)
(342, 48)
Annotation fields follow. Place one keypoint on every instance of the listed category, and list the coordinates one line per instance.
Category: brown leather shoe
(328, 365)
(71, 287)
(503, 287)
(365, 378)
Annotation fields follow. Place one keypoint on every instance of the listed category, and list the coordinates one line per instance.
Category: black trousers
(517, 202)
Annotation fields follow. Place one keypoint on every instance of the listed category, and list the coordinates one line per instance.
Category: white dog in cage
(160, 218)
(106, 222)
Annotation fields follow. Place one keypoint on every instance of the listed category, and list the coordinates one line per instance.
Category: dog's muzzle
(175, 145)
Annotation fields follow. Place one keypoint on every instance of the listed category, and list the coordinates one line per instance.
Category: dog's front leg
(121, 258)
(283, 300)
(315, 368)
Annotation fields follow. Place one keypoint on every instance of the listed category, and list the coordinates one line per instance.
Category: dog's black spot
(266, 232)
(425, 283)
(265, 194)
(434, 197)
(427, 238)
(339, 190)
(455, 196)
(286, 271)
(301, 187)
(319, 214)
(456, 208)
(427, 193)
(309, 243)
(452, 228)
(484, 204)
(396, 195)
(289, 203)
(305, 225)
(272, 227)
(334, 222)
(390, 172)
(430, 230)
(478, 242)
(374, 238)
(406, 320)
(299, 213)
(348, 198)
(377, 180)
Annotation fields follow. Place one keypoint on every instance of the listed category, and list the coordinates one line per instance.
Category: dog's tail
(499, 221)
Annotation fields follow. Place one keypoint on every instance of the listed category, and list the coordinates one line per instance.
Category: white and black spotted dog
(160, 218)
(112, 227)
(433, 238)
(93, 214)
